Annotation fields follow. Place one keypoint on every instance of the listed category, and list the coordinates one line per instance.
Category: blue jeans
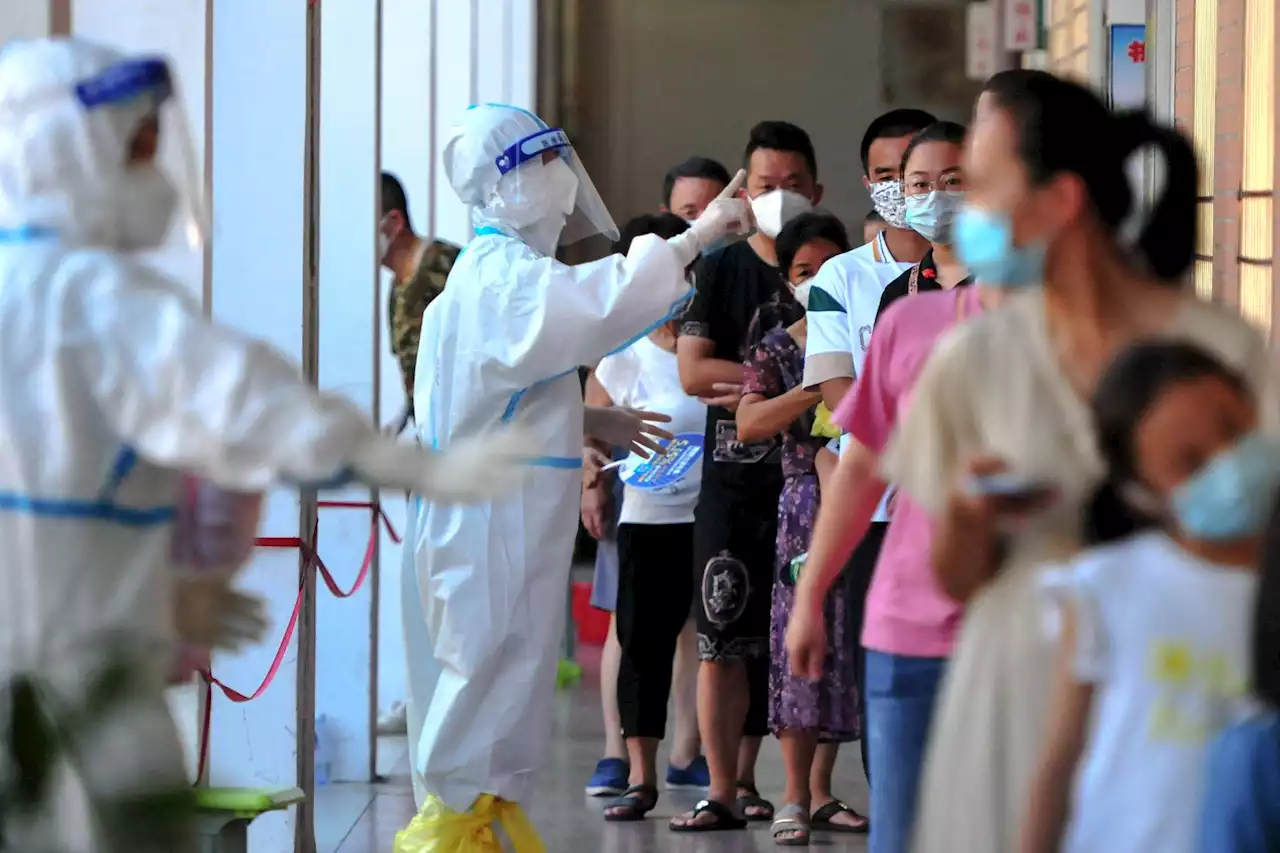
(900, 695)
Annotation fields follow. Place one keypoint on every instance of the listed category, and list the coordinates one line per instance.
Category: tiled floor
(365, 818)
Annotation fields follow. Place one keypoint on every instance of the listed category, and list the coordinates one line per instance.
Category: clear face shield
(542, 179)
(160, 195)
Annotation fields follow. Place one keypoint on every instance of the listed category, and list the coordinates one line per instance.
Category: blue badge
(682, 454)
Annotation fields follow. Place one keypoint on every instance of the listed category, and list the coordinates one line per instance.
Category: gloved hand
(726, 215)
(467, 471)
(631, 429)
(208, 612)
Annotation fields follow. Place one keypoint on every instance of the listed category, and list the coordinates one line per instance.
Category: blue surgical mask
(931, 216)
(984, 242)
(1231, 497)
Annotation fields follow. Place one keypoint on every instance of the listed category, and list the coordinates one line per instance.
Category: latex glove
(630, 429)
(469, 470)
(209, 613)
(727, 214)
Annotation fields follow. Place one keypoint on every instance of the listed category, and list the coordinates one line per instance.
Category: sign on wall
(981, 39)
(1127, 69)
(1021, 27)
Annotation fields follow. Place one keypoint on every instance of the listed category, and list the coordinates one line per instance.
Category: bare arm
(833, 391)
(1049, 804)
(700, 370)
(843, 518)
(761, 417)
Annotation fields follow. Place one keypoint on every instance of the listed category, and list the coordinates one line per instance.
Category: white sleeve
(616, 375)
(559, 317)
(1071, 585)
(828, 351)
(189, 394)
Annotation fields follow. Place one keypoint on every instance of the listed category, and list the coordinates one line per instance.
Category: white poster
(981, 40)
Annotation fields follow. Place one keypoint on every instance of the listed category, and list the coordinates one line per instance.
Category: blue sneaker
(610, 778)
(696, 775)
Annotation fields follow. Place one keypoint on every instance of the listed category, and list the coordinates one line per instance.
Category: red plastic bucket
(592, 622)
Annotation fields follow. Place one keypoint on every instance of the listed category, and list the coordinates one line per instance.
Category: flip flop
(752, 800)
(635, 802)
(724, 819)
(793, 819)
(821, 820)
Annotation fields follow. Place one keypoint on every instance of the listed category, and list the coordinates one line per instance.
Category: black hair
(894, 124)
(781, 136)
(391, 197)
(940, 131)
(665, 225)
(872, 216)
(1266, 619)
(1064, 127)
(694, 167)
(1126, 390)
(806, 228)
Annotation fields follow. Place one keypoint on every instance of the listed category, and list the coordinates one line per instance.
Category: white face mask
(801, 293)
(889, 202)
(539, 203)
(774, 209)
(148, 201)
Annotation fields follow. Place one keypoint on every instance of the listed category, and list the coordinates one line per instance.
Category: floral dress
(829, 705)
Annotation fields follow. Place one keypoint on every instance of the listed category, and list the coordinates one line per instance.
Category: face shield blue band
(533, 146)
(127, 81)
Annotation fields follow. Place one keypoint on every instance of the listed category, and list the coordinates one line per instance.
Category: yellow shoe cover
(439, 829)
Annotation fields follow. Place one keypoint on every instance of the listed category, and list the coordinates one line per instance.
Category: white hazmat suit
(111, 384)
(485, 586)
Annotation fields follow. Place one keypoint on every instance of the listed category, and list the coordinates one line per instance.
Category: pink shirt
(907, 612)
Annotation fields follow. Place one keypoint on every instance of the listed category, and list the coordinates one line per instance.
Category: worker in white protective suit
(111, 383)
(485, 586)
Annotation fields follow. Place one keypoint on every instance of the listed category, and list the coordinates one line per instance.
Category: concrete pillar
(352, 335)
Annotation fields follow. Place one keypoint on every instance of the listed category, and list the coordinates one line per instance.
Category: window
(1203, 129)
(1257, 186)
(1069, 28)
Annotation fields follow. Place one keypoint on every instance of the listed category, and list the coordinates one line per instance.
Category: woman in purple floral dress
(810, 718)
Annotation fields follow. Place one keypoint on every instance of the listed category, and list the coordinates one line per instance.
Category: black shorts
(734, 546)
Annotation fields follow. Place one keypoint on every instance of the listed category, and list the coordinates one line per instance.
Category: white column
(408, 152)
(458, 54)
(351, 316)
(177, 29)
(259, 149)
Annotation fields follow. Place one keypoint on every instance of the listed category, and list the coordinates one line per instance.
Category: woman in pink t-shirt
(910, 623)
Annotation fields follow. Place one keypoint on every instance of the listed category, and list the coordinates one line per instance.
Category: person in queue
(505, 340)
(910, 625)
(810, 718)
(687, 189)
(1152, 620)
(419, 268)
(114, 387)
(997, 446)
(873, 225)
(655, 551)
(842, 310)
(737, 514)
(1241, 808)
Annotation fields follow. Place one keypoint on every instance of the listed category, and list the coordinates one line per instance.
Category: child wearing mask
(802, 713)
(1241, 812)
(1154, 655)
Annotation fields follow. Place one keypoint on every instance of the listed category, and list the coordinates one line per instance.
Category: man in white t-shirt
(843, 302)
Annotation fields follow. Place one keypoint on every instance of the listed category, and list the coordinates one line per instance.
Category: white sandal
(791, 821)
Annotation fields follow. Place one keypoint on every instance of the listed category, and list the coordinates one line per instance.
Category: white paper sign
(980, 47)
(1020, 25)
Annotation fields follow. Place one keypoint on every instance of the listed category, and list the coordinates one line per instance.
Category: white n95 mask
(801, 293)
(774, 209)
(148, 201)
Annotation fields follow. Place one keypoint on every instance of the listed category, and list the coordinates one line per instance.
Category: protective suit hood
(495, 160)
(69, 111)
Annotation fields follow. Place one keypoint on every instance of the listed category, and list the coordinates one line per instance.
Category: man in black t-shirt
(735, 524)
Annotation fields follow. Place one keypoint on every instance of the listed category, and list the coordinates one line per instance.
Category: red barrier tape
(310, 560)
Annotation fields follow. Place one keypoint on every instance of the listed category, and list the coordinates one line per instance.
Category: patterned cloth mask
(889, 202)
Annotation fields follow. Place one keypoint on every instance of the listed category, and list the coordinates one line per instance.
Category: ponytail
(1108, 517)
(1167, 241)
